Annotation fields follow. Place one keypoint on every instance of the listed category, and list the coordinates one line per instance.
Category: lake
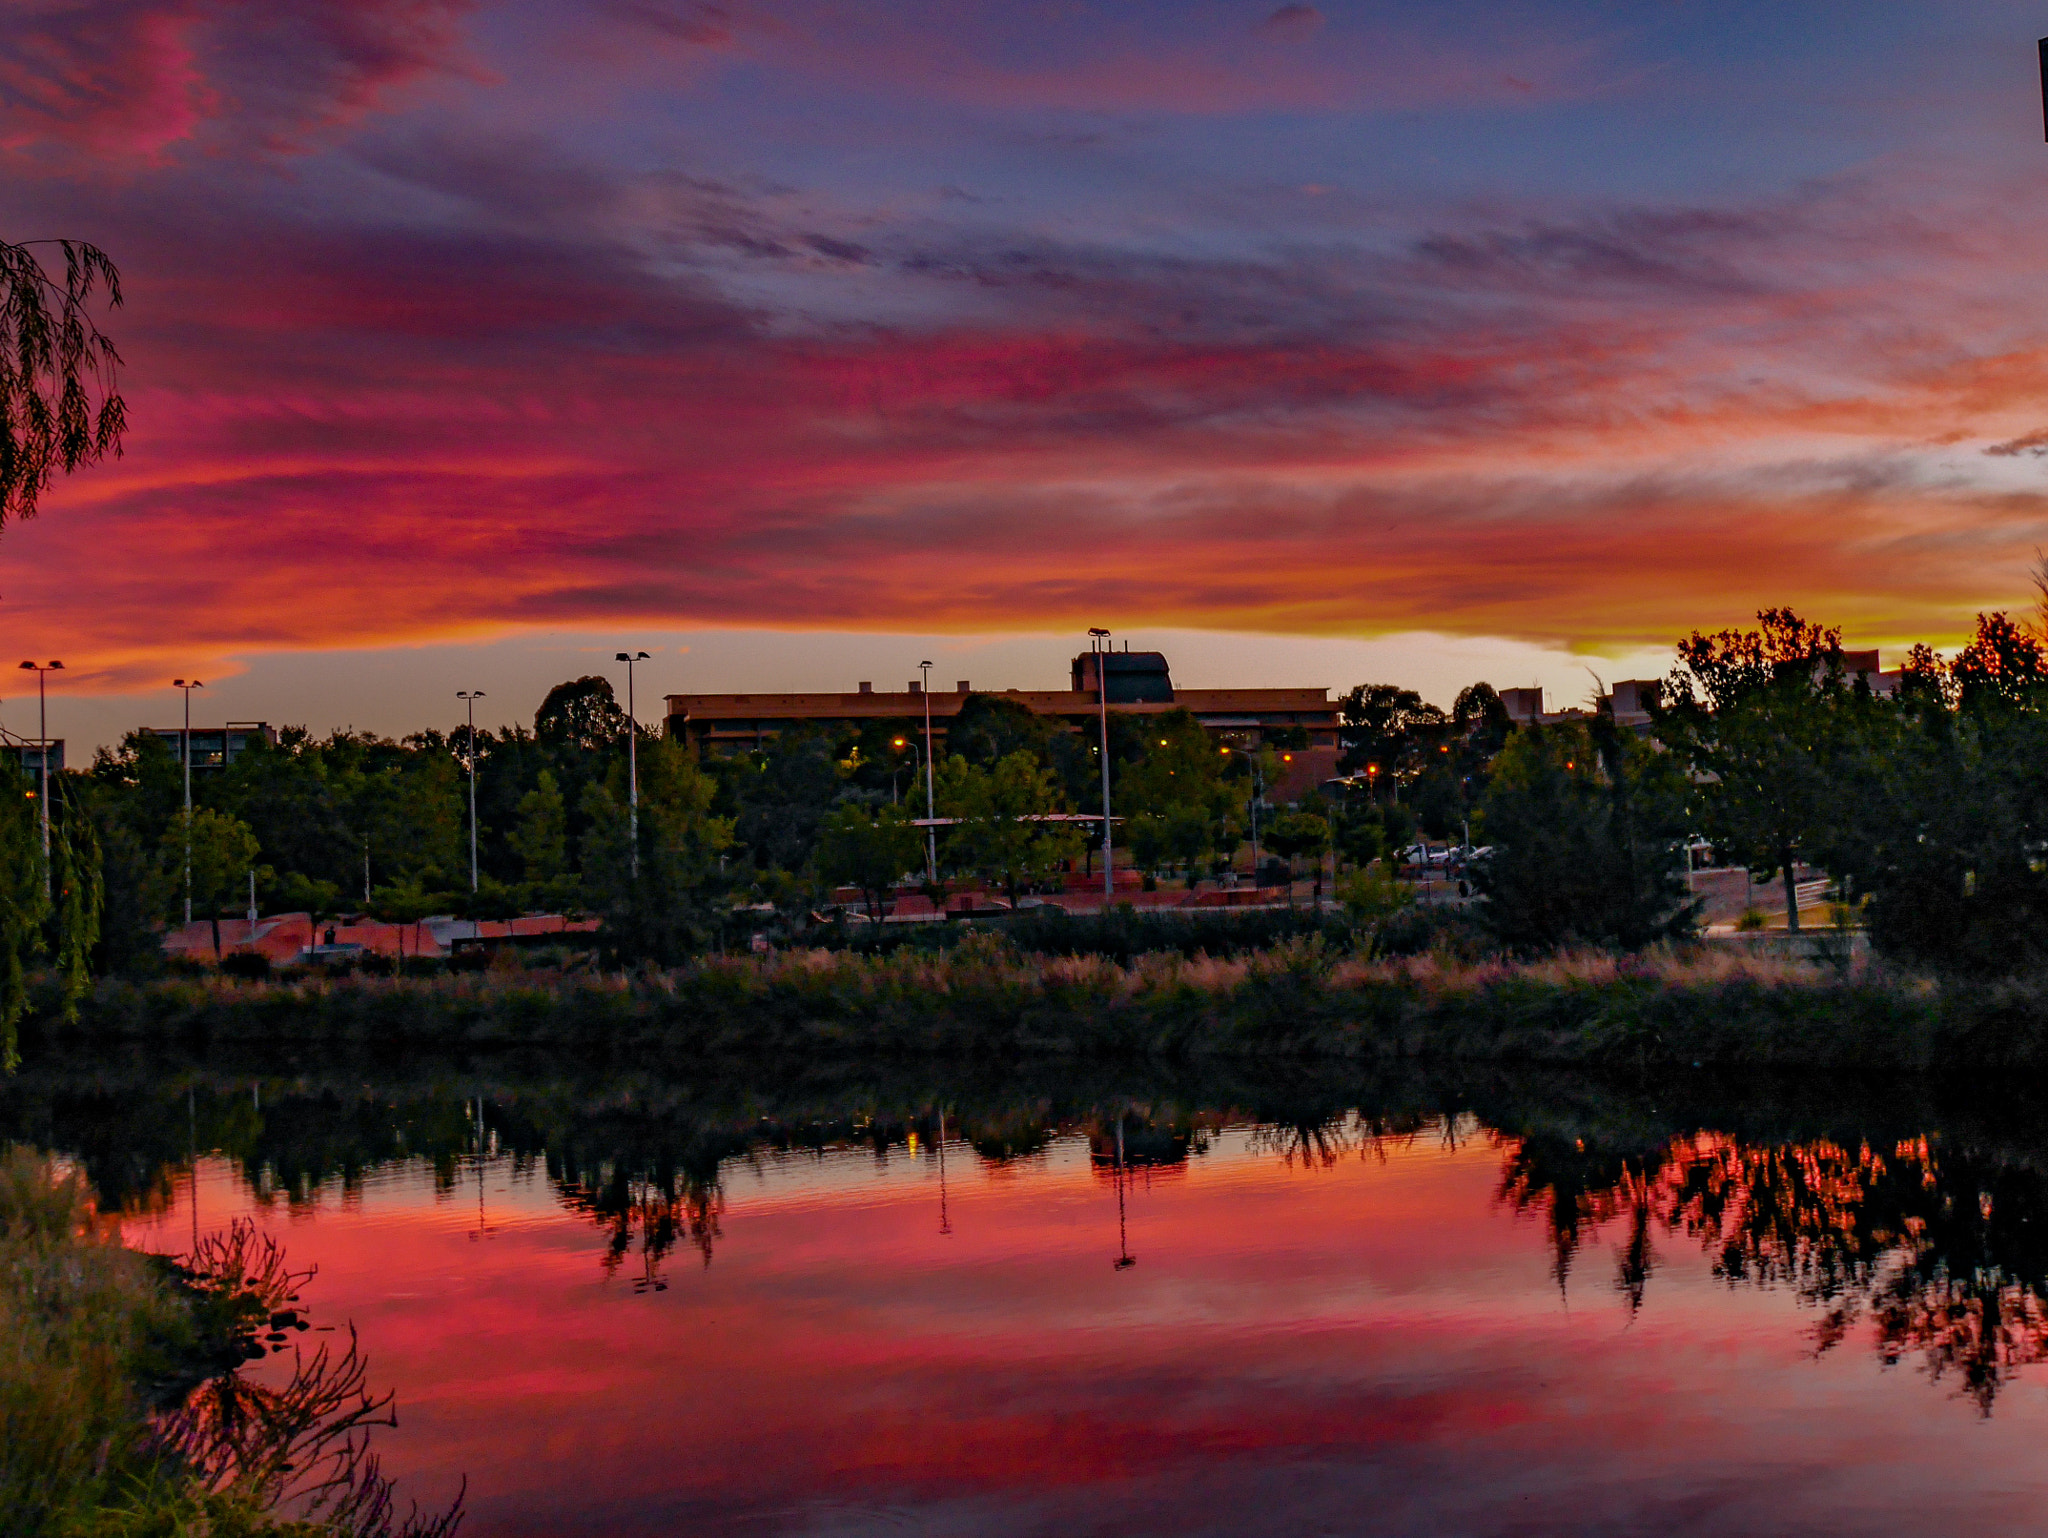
(645, 1299)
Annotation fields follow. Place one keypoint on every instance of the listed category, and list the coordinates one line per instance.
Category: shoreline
(1300, 1000)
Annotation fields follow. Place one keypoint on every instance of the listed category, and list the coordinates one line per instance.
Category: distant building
(215, 747)
(1630, 699)
(1864, 665)
(26, 751)
(1139, 683)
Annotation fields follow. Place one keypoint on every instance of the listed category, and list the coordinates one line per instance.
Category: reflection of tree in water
(1319, 1139)
(1934, 1248)
(658, 1205)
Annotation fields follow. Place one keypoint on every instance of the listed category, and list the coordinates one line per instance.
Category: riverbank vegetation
(122, 1406)
(985, 1001)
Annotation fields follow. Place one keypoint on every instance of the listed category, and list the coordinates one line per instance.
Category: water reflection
(1904, 1220)
(1933, 1244)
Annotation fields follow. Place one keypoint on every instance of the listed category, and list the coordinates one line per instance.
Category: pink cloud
(133, 78)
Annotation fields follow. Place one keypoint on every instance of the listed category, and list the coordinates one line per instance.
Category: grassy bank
(990, 1000)
(121, 1411)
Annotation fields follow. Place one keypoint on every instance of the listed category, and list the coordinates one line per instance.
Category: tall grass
(987, 999)
(84, 1323)
(120, 1414)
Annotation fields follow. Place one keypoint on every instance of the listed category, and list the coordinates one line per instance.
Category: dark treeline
(1927, 805)
(353, 823)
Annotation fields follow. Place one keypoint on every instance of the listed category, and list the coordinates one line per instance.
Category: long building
(1139, 683)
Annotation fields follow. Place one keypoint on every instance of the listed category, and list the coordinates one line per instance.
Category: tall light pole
(632, 756)
(1099, 640)
(186, 753)
(43, 760)
(931, 831)
(470, 697)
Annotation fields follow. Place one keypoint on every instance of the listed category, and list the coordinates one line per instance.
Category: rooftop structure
(1139, 683)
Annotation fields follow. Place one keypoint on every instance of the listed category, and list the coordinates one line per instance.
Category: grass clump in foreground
(988, 1000)
(121, 1412)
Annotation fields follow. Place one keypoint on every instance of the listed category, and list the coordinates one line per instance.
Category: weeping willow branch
(59, 405)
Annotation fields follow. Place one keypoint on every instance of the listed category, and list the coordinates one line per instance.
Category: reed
(986, 998)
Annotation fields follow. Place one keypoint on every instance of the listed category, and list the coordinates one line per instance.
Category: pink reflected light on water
(1380, 1345)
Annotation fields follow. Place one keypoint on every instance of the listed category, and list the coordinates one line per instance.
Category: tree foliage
(1587, 827)
(60, 409)
(1757, 716)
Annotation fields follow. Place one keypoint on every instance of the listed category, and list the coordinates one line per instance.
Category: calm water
(631, 1303)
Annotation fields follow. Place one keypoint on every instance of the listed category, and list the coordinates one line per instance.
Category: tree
(222, 853)
(54, 361)
(1587, 827)
(1757, 716)
(405, 903)
(784, 799)
(582, 714)
(412, 817)
(1182, 780)
(990, 727)
(1947, 807)
(868, 848)
(1299, 833)
(1148, 840)
(541, 839)
(999, 833)
(1385, 728)
(661, 910)
(298, 893)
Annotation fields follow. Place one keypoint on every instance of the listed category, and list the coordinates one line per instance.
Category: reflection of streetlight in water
(650, 1279)
(1125, 1259)
(945, 1226)
(482, 1230)
(192, 1133)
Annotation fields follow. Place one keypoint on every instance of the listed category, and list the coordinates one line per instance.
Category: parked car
(1430, 857)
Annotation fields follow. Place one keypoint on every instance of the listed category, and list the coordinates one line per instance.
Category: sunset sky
(796, 340)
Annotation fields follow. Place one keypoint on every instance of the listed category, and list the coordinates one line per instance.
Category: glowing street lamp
(185, 750)
(896, 775)
(43, 760)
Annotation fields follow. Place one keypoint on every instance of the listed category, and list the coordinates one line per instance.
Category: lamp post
(43, 759)
(470, 697)
(1099, 640)
(931, 800)
(896, 775)
(185, 742)
(632, 756)
(1258, 795)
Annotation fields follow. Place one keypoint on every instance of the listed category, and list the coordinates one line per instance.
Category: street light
(896, 775)
(185, 750)
(632, 755)
(470, 697)
(931, 831)
(43, 760)
(1099, 640)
